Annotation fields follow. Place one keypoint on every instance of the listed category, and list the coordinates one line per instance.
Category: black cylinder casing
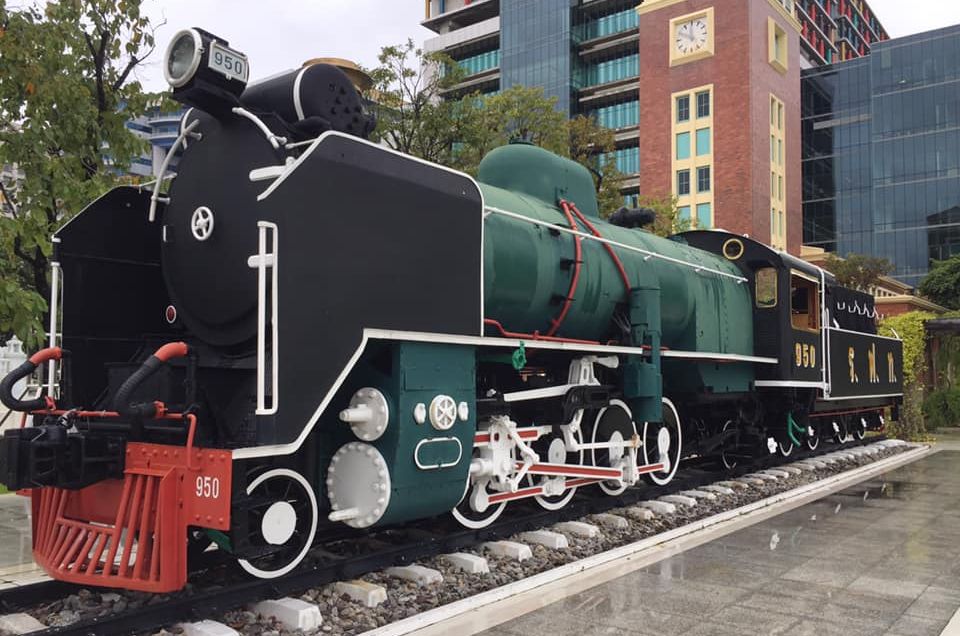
(312, 99)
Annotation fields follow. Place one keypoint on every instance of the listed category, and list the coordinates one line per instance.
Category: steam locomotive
(311, 329)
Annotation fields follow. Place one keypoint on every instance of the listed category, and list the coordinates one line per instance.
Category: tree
(942, 284)
(594, 146)
(517, 113)
(858, 271)
(668, 219)
(411, 116)
(66, 93)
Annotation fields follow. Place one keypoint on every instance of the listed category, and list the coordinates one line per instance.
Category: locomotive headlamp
(183, 57)
(204, 71)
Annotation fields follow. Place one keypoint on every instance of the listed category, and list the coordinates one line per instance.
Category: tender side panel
(864, 365)
(367, 238)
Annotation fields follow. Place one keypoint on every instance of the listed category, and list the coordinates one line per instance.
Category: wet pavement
(15, 548)
(878, 558)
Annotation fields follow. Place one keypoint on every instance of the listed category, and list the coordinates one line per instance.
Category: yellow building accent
(785, 9)
(655, 5)
(697, 157)
(778, 174)
(777, 46)
(676, 57)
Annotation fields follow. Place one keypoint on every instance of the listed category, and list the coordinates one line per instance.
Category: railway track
(350, 555)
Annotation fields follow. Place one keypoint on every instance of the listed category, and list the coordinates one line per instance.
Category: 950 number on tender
(208, 487)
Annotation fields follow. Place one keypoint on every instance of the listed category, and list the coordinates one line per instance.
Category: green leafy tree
(910, 328)
(858, 271)
(942, 284)
(419, 113)
(66, 92)
(594, 146)
(411, 116)
(517, 113)
(668, 221)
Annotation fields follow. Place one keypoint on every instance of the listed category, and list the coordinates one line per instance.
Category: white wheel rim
(311, 496)
(550, 503)
(605, 486)
(279, 523)
(658, 478)
(728, 464)
(476, 524)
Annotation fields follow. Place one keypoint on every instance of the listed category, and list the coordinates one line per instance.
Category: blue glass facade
(582, 53)
(480, 62)
(608, 71)
(535, 44)
(609, 25)
(881, 146)
(619, 115)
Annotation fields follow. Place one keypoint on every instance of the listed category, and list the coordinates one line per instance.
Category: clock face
(691, 36)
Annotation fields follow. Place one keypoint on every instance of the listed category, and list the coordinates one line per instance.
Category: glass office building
(582, 52)
(881, 147)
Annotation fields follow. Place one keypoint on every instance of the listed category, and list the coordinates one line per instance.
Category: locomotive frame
(369, 339)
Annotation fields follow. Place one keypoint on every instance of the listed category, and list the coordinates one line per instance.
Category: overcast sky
(291, 31)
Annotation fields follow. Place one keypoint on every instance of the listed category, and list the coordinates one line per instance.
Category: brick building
(720, 113)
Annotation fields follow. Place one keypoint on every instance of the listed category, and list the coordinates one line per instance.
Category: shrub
(910, 328)
(942, 408)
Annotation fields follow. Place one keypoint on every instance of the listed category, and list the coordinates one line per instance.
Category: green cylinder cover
(528, 267)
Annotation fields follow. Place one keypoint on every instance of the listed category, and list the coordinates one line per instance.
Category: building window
(703, 179)
(704, 215)
(683, 145)
(692, 165)
(684, 213)
(778, 47)
(703, 104)
(683, 108)
(703, 141)
(778, 186)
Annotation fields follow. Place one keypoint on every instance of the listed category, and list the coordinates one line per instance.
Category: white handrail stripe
(600, 239)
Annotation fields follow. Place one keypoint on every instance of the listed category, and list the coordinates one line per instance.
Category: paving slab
(732, 483)
(765, 476)
(415, 573)
(369, 594)
(891, 569)
(679, 500)
(702, 493)
(292, 613)
(509, 550)
(207, 628)
(718, 489)
(469, 563)
(638, 513)
(578, 529)
(607, 520)
(20, 623)
(546, 538)
(659, 507)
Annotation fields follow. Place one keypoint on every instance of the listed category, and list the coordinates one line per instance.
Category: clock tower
(720, 114)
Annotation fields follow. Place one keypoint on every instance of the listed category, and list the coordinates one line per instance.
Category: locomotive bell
(204, 72)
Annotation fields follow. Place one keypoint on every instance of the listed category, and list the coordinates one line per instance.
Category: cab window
(804, 304)
(766, 292)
